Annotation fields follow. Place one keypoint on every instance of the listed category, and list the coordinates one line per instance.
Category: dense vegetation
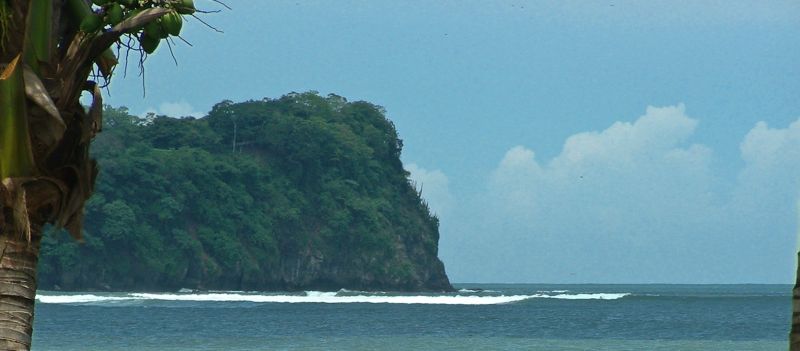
(300, 192)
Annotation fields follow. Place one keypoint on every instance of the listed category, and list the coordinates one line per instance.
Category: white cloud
(625, 144)
(624, 167)
(768, 186)
(434, 186)
(639, 202)
(175, 109)
(511, 182)
(772, 165)
(765, 147)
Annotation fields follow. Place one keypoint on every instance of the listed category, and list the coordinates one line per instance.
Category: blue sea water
(478, 317)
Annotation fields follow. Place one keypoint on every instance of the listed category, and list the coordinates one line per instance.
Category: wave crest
(85, 298)
(320, 297)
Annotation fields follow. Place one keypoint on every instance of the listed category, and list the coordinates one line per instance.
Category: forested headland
(299, 192)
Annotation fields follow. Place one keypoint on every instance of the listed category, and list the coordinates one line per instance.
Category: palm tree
(51, 52)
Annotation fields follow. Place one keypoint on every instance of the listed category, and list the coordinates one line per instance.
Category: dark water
(502, 317)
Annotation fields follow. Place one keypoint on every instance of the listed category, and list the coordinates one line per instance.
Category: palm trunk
(18, 258)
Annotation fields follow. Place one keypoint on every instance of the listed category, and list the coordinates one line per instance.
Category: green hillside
(300, 192)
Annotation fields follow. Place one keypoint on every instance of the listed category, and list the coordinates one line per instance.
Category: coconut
(172, 23)
(155, 29)
(149, 44)
(114, 14)
(185, 7)
(91, 23)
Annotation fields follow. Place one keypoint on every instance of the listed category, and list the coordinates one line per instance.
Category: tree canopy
(298, 192)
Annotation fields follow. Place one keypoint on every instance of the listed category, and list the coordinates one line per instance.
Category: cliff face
(298, 193)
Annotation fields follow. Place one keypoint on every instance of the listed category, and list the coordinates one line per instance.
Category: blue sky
(578, 141)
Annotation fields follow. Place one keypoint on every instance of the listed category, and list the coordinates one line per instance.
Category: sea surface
(477, 317)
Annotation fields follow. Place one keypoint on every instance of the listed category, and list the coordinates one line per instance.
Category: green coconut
(155, 29)
(185, 7)
(91, 23)
(149, 44)
(172, 23)
(114, 14)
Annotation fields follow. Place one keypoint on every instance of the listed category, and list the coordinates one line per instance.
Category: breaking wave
(88, 298)
(476, 290)
(601, 296)
(332, 298)
(316, 297)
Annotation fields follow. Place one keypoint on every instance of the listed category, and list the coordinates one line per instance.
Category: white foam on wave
(324, 297)
(320, 294)
(81, 298)
(600, 296)
(472, 291)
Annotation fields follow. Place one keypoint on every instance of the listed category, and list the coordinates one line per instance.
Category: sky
(559, 142)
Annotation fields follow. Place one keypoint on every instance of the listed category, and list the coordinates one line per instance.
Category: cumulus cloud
(622, 169)
(764, 147)
(768, 186)
(434, 186)
(640, 202)
(626, 144)
(511, 181)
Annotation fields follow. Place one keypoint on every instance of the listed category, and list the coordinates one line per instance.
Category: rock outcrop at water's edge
(298, 193)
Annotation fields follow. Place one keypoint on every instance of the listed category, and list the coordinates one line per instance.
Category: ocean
(477, 317)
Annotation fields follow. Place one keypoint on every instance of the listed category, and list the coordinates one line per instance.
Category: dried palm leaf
(48, 130)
